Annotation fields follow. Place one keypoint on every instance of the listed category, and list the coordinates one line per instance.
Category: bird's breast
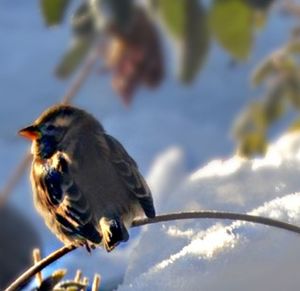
(41, 198)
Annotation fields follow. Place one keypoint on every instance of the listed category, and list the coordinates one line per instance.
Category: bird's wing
(129, 172)
(72, 210)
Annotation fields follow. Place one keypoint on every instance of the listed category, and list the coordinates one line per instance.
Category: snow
(210, 255)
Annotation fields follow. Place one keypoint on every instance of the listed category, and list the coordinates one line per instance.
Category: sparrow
(85, 185)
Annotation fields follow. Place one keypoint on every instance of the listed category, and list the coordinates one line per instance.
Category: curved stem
(27, 275)
(210, 214)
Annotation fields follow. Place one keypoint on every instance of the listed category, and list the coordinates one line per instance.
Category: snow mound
(205, 255)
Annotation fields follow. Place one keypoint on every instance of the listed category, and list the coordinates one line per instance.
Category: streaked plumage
(85, 185)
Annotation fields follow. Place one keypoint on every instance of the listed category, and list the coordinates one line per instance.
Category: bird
(85, 185)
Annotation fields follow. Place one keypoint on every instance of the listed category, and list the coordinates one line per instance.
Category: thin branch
(25, 277)
(67, 98)
(218, 215)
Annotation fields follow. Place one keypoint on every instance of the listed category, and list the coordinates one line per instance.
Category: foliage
(125, 35)
(280, 73)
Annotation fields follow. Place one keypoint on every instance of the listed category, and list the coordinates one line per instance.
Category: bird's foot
(113, 232)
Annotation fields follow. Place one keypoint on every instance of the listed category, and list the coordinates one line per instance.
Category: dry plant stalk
(96, 282)
(36, 258)
(78, 276)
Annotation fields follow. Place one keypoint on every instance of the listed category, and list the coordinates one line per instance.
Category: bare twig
(25, 277)
(67, 98)
(81, 77)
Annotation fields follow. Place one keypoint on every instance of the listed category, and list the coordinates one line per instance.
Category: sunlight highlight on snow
(218, 168)
(218, 238)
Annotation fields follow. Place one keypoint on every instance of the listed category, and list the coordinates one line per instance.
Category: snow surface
(210, 255)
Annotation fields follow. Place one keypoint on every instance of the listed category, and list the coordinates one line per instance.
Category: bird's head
(48, 133)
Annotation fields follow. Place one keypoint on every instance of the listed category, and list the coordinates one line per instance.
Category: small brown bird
(85, 185)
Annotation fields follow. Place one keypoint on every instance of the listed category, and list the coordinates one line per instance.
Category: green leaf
(175, 15)
(186, 21)
(253, 144)
(232, 23)
(53, 11)
(195, 43)
(73, 58)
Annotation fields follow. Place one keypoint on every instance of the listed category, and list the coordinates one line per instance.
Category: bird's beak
(31, 132)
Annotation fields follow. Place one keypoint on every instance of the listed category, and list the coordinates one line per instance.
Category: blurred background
(210, 77)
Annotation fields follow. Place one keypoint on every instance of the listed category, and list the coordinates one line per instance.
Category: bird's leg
(87, 246)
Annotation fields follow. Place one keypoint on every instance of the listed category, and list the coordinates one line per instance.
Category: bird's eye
(50, 127)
